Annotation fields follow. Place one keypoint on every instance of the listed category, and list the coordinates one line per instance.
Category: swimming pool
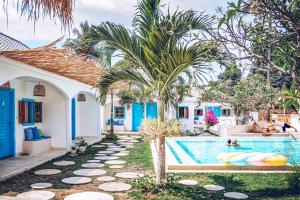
(251, 153)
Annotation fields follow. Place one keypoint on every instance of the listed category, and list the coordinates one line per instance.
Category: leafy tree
(290, 98)
(160, 48)
(232, 73)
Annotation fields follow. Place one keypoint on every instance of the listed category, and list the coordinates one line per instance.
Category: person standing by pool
(284, 126)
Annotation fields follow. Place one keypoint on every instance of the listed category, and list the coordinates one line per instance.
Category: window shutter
(21, 112)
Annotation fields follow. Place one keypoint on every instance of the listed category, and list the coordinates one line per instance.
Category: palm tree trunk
(161, 164)
(112, 114)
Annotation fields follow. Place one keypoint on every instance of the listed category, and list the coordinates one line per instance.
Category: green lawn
(257, 186)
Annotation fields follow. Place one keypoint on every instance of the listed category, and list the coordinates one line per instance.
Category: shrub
(210, 119)
(168, 128)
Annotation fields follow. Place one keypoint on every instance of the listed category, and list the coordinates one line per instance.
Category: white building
(24, 74)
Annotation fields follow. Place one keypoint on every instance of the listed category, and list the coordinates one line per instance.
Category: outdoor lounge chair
(264, 128)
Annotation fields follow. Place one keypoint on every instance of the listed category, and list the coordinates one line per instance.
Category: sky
(94, 11)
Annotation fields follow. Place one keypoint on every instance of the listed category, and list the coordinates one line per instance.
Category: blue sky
(94, 11)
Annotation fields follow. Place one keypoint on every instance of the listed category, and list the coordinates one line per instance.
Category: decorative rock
(98, 146)
(115, 162)
(115, 187)
(47, 172)
(89, 196)
(130, 175)
(213, 187)
(188, 182)
(89, 172)
(106, 152)
(40, 186)
(64, 163)
(76, 180)
(93, 161)
(236, 195)
(116, 166)
(106, 178)
(37, 195)
(92, 165)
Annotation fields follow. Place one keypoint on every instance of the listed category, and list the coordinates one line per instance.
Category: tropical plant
(160, 48)
(41, 8)
(290, 98)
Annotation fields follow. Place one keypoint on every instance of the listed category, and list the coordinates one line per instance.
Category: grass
(257, 186)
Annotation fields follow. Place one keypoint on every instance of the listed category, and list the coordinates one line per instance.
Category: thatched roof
(60, 61)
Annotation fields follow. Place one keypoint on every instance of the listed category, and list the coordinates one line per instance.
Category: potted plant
(82, 144)
(74, 149)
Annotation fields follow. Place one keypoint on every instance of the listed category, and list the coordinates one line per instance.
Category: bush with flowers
(210, 119)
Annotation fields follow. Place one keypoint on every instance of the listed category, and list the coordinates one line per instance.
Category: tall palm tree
(160, 48)
(40, 8)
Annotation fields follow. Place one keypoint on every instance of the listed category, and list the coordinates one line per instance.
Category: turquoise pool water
(250, 152)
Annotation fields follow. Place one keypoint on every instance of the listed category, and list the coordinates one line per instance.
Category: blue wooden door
(217, 111)
(137, 115)
(73, 118)
(151, 110)
(6, 123)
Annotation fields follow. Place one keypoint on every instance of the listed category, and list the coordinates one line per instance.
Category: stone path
(89, 172)
(115, 162)
(116, 166)
(92, 165)
(89, 196)
(47, 172)
(129, 175)
(236, 195)
(37, 195)
(76, 180)
(40, 186)
(213, 187)
(93, 161)
(115, 187)
(188, 182)
(106, 178)
(64, 163)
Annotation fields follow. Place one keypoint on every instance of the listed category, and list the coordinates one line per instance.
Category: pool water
(250, 152)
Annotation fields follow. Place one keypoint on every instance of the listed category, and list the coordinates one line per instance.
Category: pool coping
(181, 168)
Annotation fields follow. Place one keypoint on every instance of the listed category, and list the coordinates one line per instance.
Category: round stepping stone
(89, 172)
(188, 182)
(106, 152)
(236, 195)
(116, 166)
(64, 163)
(107, 158)
(106, 178)
(106, 143)
(40, 186)
(122, 154)
(92, 165)
(37, 195)
(100, 154)
(93, 161)
(134, 141)
(129, 175)
(115, 149)
(46, 172)
(89, 196)
(98, 146)
(115, 187)
(213, 187)
(76, 180)
(115, 162)
(7, 198)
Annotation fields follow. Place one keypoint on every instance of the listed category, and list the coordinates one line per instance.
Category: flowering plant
(210, 119)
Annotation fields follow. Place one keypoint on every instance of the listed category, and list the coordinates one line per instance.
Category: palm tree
(160, 48)
(41, 8)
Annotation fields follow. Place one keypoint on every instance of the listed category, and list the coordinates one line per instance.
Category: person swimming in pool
(234, 143)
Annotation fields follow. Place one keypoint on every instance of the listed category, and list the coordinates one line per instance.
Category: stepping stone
(115, 187)
(76, 180)
(116, 166)
(120, 141)
(107, 143)
(89, 196)
(115, 149)
(129, 175)
(134, 141)
(64, 163)
(37, 195)
(92, 165)
(236, 195)
(89, 172)
(107, 158)
(47, 172)
(93, 161)
(122, 154)
(100, 154)
(106, 152)
(106, 178)
(115, 162)
(40, 185)
(213, 187)
(188, 182)
(7, 198)
(98, 146)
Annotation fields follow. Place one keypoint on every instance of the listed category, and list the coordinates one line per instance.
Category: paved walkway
(13, 166)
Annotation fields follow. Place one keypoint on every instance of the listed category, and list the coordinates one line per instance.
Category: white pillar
(68, 123)
(101, 118)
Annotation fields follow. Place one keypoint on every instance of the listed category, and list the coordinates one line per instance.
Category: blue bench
(34, 134)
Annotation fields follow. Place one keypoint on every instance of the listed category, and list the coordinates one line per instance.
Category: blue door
(216, 109)
(73, 118)
(6, 123)
(151, 110)
(137, 115)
